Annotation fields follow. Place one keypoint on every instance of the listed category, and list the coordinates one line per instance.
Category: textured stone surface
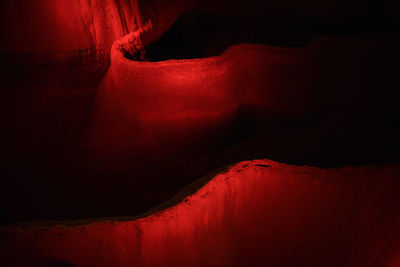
(254, 213)
(48, 26)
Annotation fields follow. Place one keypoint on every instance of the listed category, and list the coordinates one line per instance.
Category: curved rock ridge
(255, 213)
(144, 105)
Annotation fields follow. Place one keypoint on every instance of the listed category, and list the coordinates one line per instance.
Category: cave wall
(329, 96)
(49, 26)
(256, 213)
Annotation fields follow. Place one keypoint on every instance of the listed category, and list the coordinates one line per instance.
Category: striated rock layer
(71, 40)
(49, 26)
(256, 213)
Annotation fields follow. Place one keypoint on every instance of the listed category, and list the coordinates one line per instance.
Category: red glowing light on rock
(254, 213)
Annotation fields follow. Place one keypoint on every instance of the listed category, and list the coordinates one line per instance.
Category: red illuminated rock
(256, 213)
(82, 31)
(146, 105)
(48, 26)
(70, 40)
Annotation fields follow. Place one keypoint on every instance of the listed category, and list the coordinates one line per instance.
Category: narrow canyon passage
(113, 107)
